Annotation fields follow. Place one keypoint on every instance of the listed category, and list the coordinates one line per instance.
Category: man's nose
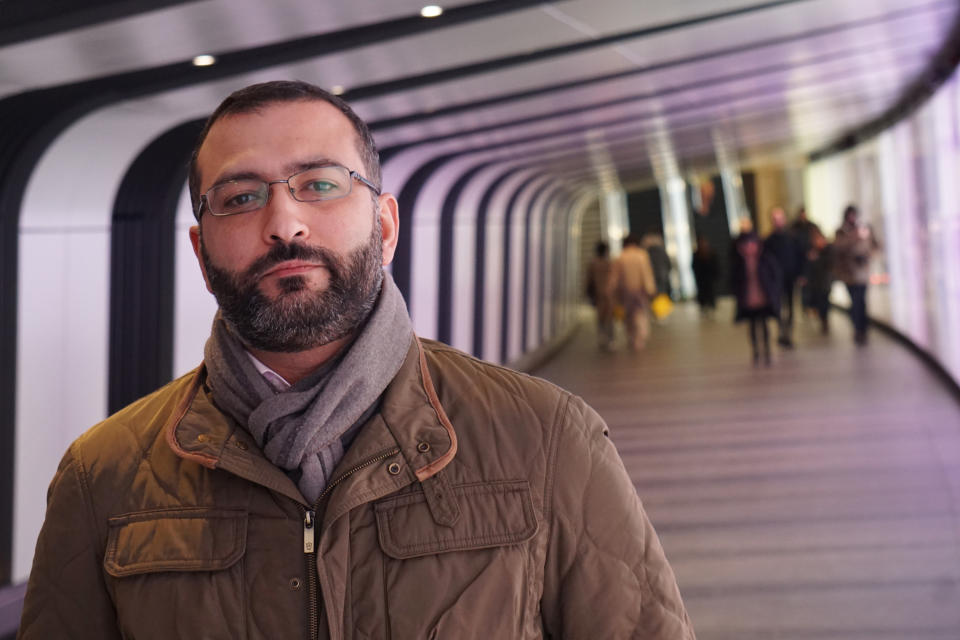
(285, 219)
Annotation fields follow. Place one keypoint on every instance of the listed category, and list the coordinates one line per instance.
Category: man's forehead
(282, 135)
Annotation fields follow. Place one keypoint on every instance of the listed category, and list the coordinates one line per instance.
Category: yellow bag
(661, 306)
(619, 312)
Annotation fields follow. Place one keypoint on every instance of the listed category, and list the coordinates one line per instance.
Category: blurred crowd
(767, 275)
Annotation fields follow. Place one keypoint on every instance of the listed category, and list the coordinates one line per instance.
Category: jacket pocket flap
(175, 540)
(492, 515)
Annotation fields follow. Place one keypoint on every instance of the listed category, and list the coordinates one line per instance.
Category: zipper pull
(308, 531)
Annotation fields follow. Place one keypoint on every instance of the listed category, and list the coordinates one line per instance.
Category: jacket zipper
(310, 540)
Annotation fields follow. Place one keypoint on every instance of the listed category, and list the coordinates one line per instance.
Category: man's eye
(241, 199)
(321, 186)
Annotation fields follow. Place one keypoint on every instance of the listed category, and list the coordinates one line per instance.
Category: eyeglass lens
(312, 185)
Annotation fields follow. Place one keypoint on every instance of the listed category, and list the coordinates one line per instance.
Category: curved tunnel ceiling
(787, 77)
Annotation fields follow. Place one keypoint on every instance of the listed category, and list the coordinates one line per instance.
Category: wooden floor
(818, 498)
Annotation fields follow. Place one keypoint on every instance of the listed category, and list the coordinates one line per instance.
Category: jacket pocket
(176, 573)
(175, 540)
(492, 515)
(474, 579)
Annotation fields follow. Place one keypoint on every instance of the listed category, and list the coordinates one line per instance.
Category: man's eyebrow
(289, 170)
(313, 163)
(237, 175)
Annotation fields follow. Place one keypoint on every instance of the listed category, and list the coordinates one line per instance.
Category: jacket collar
(411, 425)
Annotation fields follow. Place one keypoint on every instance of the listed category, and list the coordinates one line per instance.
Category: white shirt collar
(274, 379)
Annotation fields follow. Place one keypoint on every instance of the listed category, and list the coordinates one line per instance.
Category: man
(854, 245)
(598, 275)
(632, 284)
(324, 473)
(787, 250)
(807, 233)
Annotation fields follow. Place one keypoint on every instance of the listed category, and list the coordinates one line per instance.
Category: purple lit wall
(907, 185)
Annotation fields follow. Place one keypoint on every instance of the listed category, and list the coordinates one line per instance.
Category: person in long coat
(755, 281)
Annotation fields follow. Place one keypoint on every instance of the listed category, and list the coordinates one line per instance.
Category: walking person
(818, 277)
(632, 284)
(652, 243)
(705, 270)
(784, 247)
(598, 277)
(804, 230)
(755, 281)
(854, 245)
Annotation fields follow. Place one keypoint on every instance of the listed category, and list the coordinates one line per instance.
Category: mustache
(282, 252)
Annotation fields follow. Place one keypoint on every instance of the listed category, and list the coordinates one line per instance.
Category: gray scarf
(301, 428)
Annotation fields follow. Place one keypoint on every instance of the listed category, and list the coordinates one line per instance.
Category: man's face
(779, 218)
(292, 275)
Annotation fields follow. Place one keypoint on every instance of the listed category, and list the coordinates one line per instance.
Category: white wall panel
(193, 306)
(63, 306)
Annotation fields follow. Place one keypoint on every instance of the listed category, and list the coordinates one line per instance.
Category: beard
(298, 319)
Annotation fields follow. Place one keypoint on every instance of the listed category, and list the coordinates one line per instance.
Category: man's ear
(195, 240)
(389, 211)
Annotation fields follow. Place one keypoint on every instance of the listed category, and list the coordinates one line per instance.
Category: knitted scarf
(300, 429)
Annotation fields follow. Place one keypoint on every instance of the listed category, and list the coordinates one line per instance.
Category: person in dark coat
(818, 277)
(653, 243)
(804, 230)
(755, 280)
(705, 270)
(788, 251)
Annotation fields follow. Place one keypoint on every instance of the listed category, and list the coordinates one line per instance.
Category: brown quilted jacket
(478, 503)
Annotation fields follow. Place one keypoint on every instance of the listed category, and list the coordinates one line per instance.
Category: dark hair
(602, 249)
(851, 209)
(253, 98)
(631, 240)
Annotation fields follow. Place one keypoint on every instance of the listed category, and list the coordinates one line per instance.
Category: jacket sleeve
(606, 576)
(66, 594)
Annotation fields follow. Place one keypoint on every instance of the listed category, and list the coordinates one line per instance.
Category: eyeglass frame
(354, 175)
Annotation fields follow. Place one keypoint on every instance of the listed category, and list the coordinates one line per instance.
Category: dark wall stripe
(480, 252)
(528, 302)
(142, 267)
(402, 267)
(27, 19)
(508, 215)
(446, 262)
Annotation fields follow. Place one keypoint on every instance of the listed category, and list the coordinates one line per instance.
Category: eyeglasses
(327, 182)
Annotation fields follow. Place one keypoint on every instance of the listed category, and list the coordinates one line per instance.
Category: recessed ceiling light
(431, 11)
(337, 89)
(204, 61)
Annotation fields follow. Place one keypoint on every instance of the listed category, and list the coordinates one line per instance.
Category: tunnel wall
(906, 183)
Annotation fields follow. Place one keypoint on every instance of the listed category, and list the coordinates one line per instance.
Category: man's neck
(297, 365)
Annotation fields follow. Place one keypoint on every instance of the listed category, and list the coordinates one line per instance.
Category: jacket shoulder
(454, 371)
(131, 432)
